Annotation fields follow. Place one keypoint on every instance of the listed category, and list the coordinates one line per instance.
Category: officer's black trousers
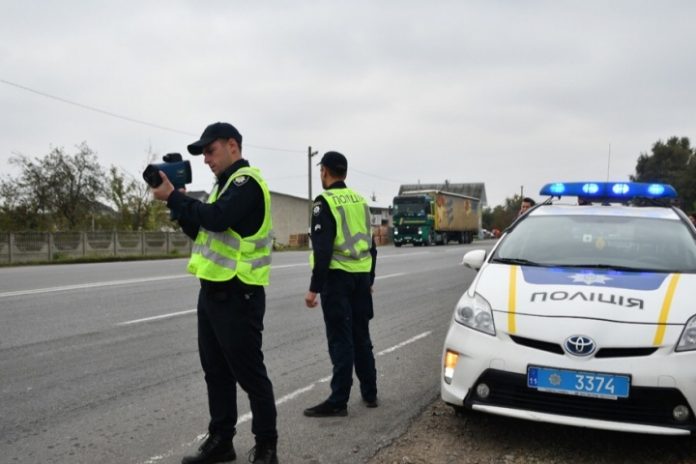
(229, 342)
(346, 302)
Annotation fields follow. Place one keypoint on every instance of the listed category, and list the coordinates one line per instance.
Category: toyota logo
(580, 345)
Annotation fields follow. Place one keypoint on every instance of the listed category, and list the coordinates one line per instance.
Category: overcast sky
(510, 93)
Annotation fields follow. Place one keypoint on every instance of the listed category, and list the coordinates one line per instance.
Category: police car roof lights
(609, 190)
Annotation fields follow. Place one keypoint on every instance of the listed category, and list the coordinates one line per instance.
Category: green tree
(487, 218)
(673, 162)
(135, 207)
(16, 214)
(57, 192)
(501, 216)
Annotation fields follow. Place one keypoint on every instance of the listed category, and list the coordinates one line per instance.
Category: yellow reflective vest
(351, 248)
(219, 256)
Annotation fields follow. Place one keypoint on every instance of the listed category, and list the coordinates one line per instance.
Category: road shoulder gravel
(439, 436)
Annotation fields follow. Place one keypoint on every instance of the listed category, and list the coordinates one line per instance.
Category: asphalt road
(99, 362)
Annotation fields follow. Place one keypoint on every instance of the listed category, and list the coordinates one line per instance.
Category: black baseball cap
(334, 161)
(218, 130)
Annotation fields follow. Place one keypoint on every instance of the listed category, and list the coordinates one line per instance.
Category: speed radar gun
(177, 170)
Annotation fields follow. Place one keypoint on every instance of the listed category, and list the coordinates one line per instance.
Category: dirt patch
(439, 436)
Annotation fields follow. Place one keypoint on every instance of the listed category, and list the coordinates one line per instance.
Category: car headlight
(687, 341)
(475, 312)
(396, 232)
(420, 231)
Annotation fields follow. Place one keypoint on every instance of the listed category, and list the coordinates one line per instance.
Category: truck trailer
(430, 217)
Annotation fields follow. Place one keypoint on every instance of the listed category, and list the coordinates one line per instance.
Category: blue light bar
(590, 188)
(656, 189)
(621, 189)
(609, 190)
(557, 189)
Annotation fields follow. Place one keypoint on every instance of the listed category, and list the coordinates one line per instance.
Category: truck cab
(413, 220)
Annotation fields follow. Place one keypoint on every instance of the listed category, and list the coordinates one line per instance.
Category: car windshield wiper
(520, 261)
(613, 267)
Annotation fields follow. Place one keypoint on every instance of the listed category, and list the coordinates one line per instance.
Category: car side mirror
(474, 259)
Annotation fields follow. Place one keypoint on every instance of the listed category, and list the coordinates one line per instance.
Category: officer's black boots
(326, 409)
(215, 448)
(371, 402)
(264, 453)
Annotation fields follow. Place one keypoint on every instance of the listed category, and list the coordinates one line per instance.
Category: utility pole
(310, 154)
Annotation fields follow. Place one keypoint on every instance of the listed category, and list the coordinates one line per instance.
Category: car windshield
(630, 243)
(411, 207)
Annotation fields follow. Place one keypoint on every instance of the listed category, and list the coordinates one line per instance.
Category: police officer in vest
(343, 271)
(231, 256)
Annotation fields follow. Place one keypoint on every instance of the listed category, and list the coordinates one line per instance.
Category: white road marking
(154, 318)
(112, 283)
(290, 396)
(402, 255)
(283, 266)
(93, 285)
(389, 276)
(190, 311)
(169, 277)
(404, 343)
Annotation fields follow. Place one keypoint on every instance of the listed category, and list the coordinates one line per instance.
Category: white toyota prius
(583, 314)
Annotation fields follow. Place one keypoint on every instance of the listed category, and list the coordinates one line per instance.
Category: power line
(91, 108)
(127, 118)
(376, 177)
(268, 179)
(259, 147)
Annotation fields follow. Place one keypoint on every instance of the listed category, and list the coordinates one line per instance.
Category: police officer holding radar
(231, 256)
(343, 271)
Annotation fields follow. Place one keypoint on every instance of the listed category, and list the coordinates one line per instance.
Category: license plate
(580, 383)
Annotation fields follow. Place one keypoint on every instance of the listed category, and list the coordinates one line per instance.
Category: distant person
(527, 203)
(231, 257)
(343, 271)
(692, 218)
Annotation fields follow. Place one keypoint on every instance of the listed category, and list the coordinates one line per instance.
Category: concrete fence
(23, 247)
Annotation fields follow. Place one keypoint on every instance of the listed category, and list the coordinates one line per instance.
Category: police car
(583, 314)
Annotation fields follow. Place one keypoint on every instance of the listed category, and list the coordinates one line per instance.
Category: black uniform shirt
(240, 207)
(323, 234)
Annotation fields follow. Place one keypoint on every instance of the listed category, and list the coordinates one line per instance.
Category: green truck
(430, 217)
